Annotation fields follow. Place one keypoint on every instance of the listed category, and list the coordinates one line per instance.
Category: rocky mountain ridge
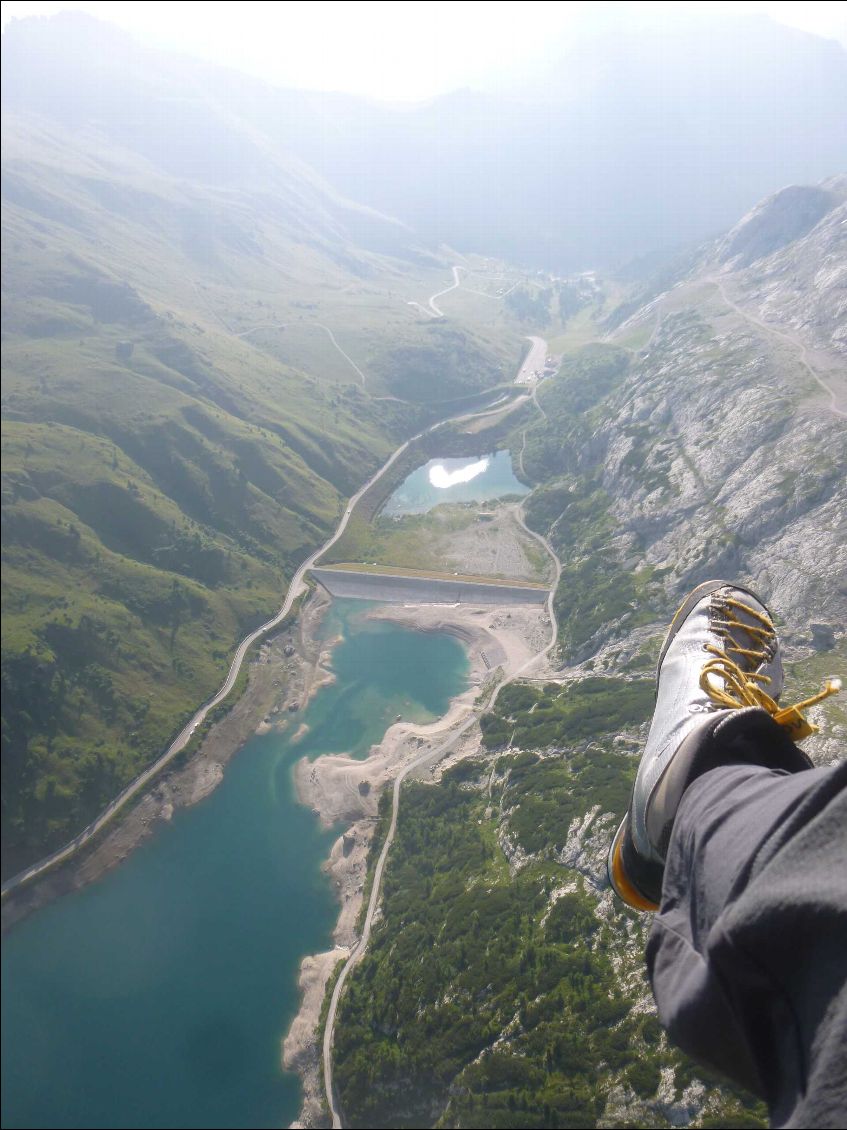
(740, 452)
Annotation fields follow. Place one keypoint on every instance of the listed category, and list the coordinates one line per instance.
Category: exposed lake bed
(457, 515)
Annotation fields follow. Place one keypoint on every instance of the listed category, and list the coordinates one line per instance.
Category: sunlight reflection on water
(440, 477)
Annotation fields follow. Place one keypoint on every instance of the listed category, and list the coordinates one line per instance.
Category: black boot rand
(712, 708)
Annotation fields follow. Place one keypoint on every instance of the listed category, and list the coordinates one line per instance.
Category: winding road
(359, 949)
(524, 377)
(433, 310)
(439, 313)
(296, 588)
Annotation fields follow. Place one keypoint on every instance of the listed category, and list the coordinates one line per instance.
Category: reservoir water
(159, 996)
(477, 479)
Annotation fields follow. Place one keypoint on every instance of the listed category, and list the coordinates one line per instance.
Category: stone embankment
(393, 588)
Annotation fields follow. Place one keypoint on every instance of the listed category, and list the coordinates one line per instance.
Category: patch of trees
(531, 306)
(486, 999)
(537, 718)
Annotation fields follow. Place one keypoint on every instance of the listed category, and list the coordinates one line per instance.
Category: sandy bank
(341, 788)
(299, 1051)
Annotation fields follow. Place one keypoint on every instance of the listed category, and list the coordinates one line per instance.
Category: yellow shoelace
(743, 688)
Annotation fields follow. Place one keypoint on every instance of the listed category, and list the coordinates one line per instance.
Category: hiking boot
(712, 709)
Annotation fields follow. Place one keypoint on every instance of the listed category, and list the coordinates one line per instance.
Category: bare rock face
(775, 222)
(801, 288)
(723, 452)
(587, 846)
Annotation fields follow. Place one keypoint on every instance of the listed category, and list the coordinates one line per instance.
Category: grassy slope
(155, 505)
(422, 541)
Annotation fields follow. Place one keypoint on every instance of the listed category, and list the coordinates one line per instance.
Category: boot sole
(618, 878)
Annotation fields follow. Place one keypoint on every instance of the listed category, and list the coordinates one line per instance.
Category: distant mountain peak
(779, 220)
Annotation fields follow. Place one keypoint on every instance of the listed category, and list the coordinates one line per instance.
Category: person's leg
(738, 843)
(748, 953)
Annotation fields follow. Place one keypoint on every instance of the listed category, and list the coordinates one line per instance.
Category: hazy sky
(402, 50)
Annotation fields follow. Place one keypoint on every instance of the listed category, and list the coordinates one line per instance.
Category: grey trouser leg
(747, 955)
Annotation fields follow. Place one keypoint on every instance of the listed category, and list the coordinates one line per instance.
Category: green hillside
(194, 380)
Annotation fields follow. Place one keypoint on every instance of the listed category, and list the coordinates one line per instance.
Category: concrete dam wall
(398, 589)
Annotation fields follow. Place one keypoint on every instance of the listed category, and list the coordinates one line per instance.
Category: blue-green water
(477, 479)
(159, 996)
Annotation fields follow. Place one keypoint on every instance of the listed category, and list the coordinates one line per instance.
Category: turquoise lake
(477, 479)
(159, 996)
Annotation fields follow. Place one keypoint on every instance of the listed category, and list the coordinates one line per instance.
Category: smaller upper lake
(454, 480)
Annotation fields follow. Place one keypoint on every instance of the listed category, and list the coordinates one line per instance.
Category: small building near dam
(405, 586)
